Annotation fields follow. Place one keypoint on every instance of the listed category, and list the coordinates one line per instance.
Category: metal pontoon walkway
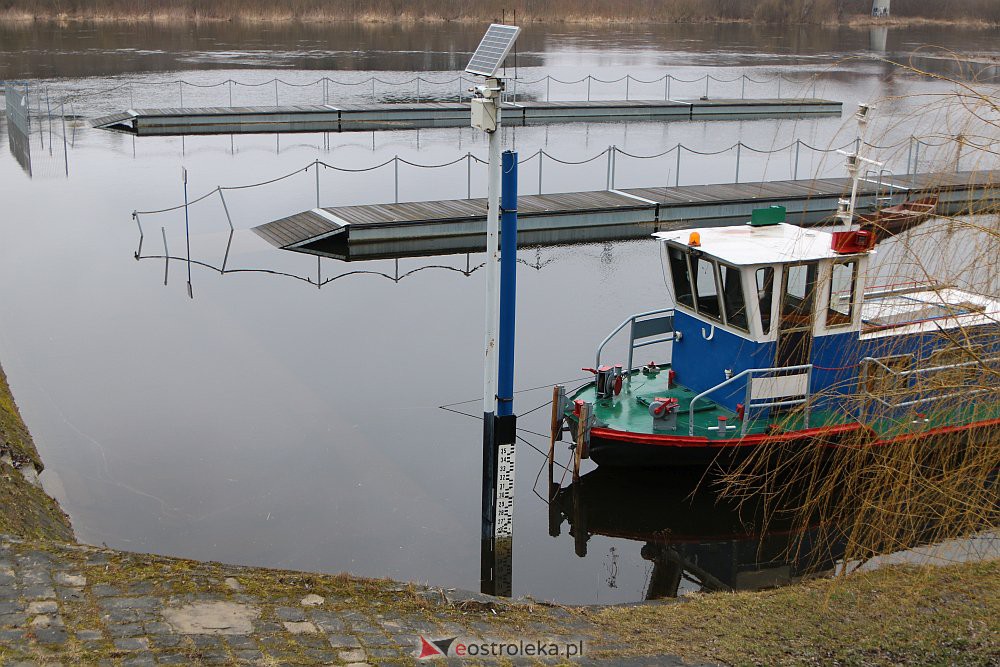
(460, 225)
(359, 117)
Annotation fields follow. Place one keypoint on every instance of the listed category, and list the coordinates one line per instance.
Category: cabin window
(732, 297)
(841, 308)
(799, 293)
(680, 273)
(706, 289)
(765, 296)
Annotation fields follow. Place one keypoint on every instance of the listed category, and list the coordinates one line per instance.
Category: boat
(892, 220)
(774, 336)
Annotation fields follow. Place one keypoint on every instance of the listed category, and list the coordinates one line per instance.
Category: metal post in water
(418, 88)
(62, 114)
(608, 179)
(180, 85)
(490, 365)
(614, 160)
(739, 146)
(743, 87)
(468, 175)
(588, 87)
(795, 172)
(669, 78)
(506, 425)
(316, 164)
(230, 83)
(628, 78)
(909, 156)
(779, 86)
(707, 78)
(548, 86)
(276, 91)
(395, 169)
(187, 230)
(916, 164)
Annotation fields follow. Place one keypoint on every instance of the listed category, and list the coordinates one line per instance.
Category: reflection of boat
(893, 220)
(777, 338)
(689, 532)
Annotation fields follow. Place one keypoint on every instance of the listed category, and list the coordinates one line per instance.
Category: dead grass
(899, 615)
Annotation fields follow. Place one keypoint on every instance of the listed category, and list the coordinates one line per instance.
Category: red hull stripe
(750, 440)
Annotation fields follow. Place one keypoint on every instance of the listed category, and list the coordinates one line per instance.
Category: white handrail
(749, 371)
(630, 320)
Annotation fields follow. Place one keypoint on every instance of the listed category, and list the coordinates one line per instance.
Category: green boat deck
(629, 412)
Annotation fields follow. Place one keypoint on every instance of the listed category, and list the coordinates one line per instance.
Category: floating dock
(367, 117)
(452, 226)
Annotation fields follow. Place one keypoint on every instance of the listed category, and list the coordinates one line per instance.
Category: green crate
(771, 215)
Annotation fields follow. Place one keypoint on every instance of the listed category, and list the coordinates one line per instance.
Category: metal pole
(677, 177)
(418, 88)
(588, 87)
(187, 230)
(628, 79)
(707, 78)
(795, 172)
(614, 160)
(468, 175)
(669, 79)
(275, 91)
(492, 316)
(548, 85)
(62, 113)
(743, 88)
(608, 179)
(916, 164)
(395, 168)
(541, 157)
(508, 274)
(739, 145)
(317, 183)
(909, 156)
(230, 82)
(180, 84)
(779, 86)
(460, 87)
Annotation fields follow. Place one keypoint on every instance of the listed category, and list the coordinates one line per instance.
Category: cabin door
(795, 319)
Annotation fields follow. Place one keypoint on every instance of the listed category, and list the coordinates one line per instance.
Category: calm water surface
(268, 422)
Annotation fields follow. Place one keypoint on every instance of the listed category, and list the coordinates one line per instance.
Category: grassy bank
(25, 509)
(982, 12)
(899, 615)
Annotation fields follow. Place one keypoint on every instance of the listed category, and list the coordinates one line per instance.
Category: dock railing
(641, 326)
(784, 384)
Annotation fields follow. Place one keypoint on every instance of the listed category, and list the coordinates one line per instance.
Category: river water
(267, 422)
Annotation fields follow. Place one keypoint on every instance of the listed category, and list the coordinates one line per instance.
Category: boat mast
(846, 207)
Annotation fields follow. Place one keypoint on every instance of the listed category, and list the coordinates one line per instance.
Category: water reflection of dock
(690, 533)
(558, 218)
(401, 116)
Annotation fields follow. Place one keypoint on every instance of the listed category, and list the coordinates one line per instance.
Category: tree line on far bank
(629, 11)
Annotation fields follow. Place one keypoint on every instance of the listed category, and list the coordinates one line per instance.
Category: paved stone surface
(116, 608)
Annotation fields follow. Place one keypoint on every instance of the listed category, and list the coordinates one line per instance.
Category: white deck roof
(745, 245)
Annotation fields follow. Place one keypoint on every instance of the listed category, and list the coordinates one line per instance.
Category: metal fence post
(608, 181)
(316, 164)
(677, 176)
(707, 78)
(669, 78)
(916, 164)
(373, 89)
(418, 88)
(276, 91)
(180, 84)
(628, 79)
(739, 146)
(459, 87)
(588, 87)
(230, 82)
(779, 86)
(541, 156)
(795, 172)
(743, 87)
(614, 165)
(468, 175)
(909, 156)
(395, 169)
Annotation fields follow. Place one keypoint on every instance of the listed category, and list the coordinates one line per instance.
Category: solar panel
(496, 44)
